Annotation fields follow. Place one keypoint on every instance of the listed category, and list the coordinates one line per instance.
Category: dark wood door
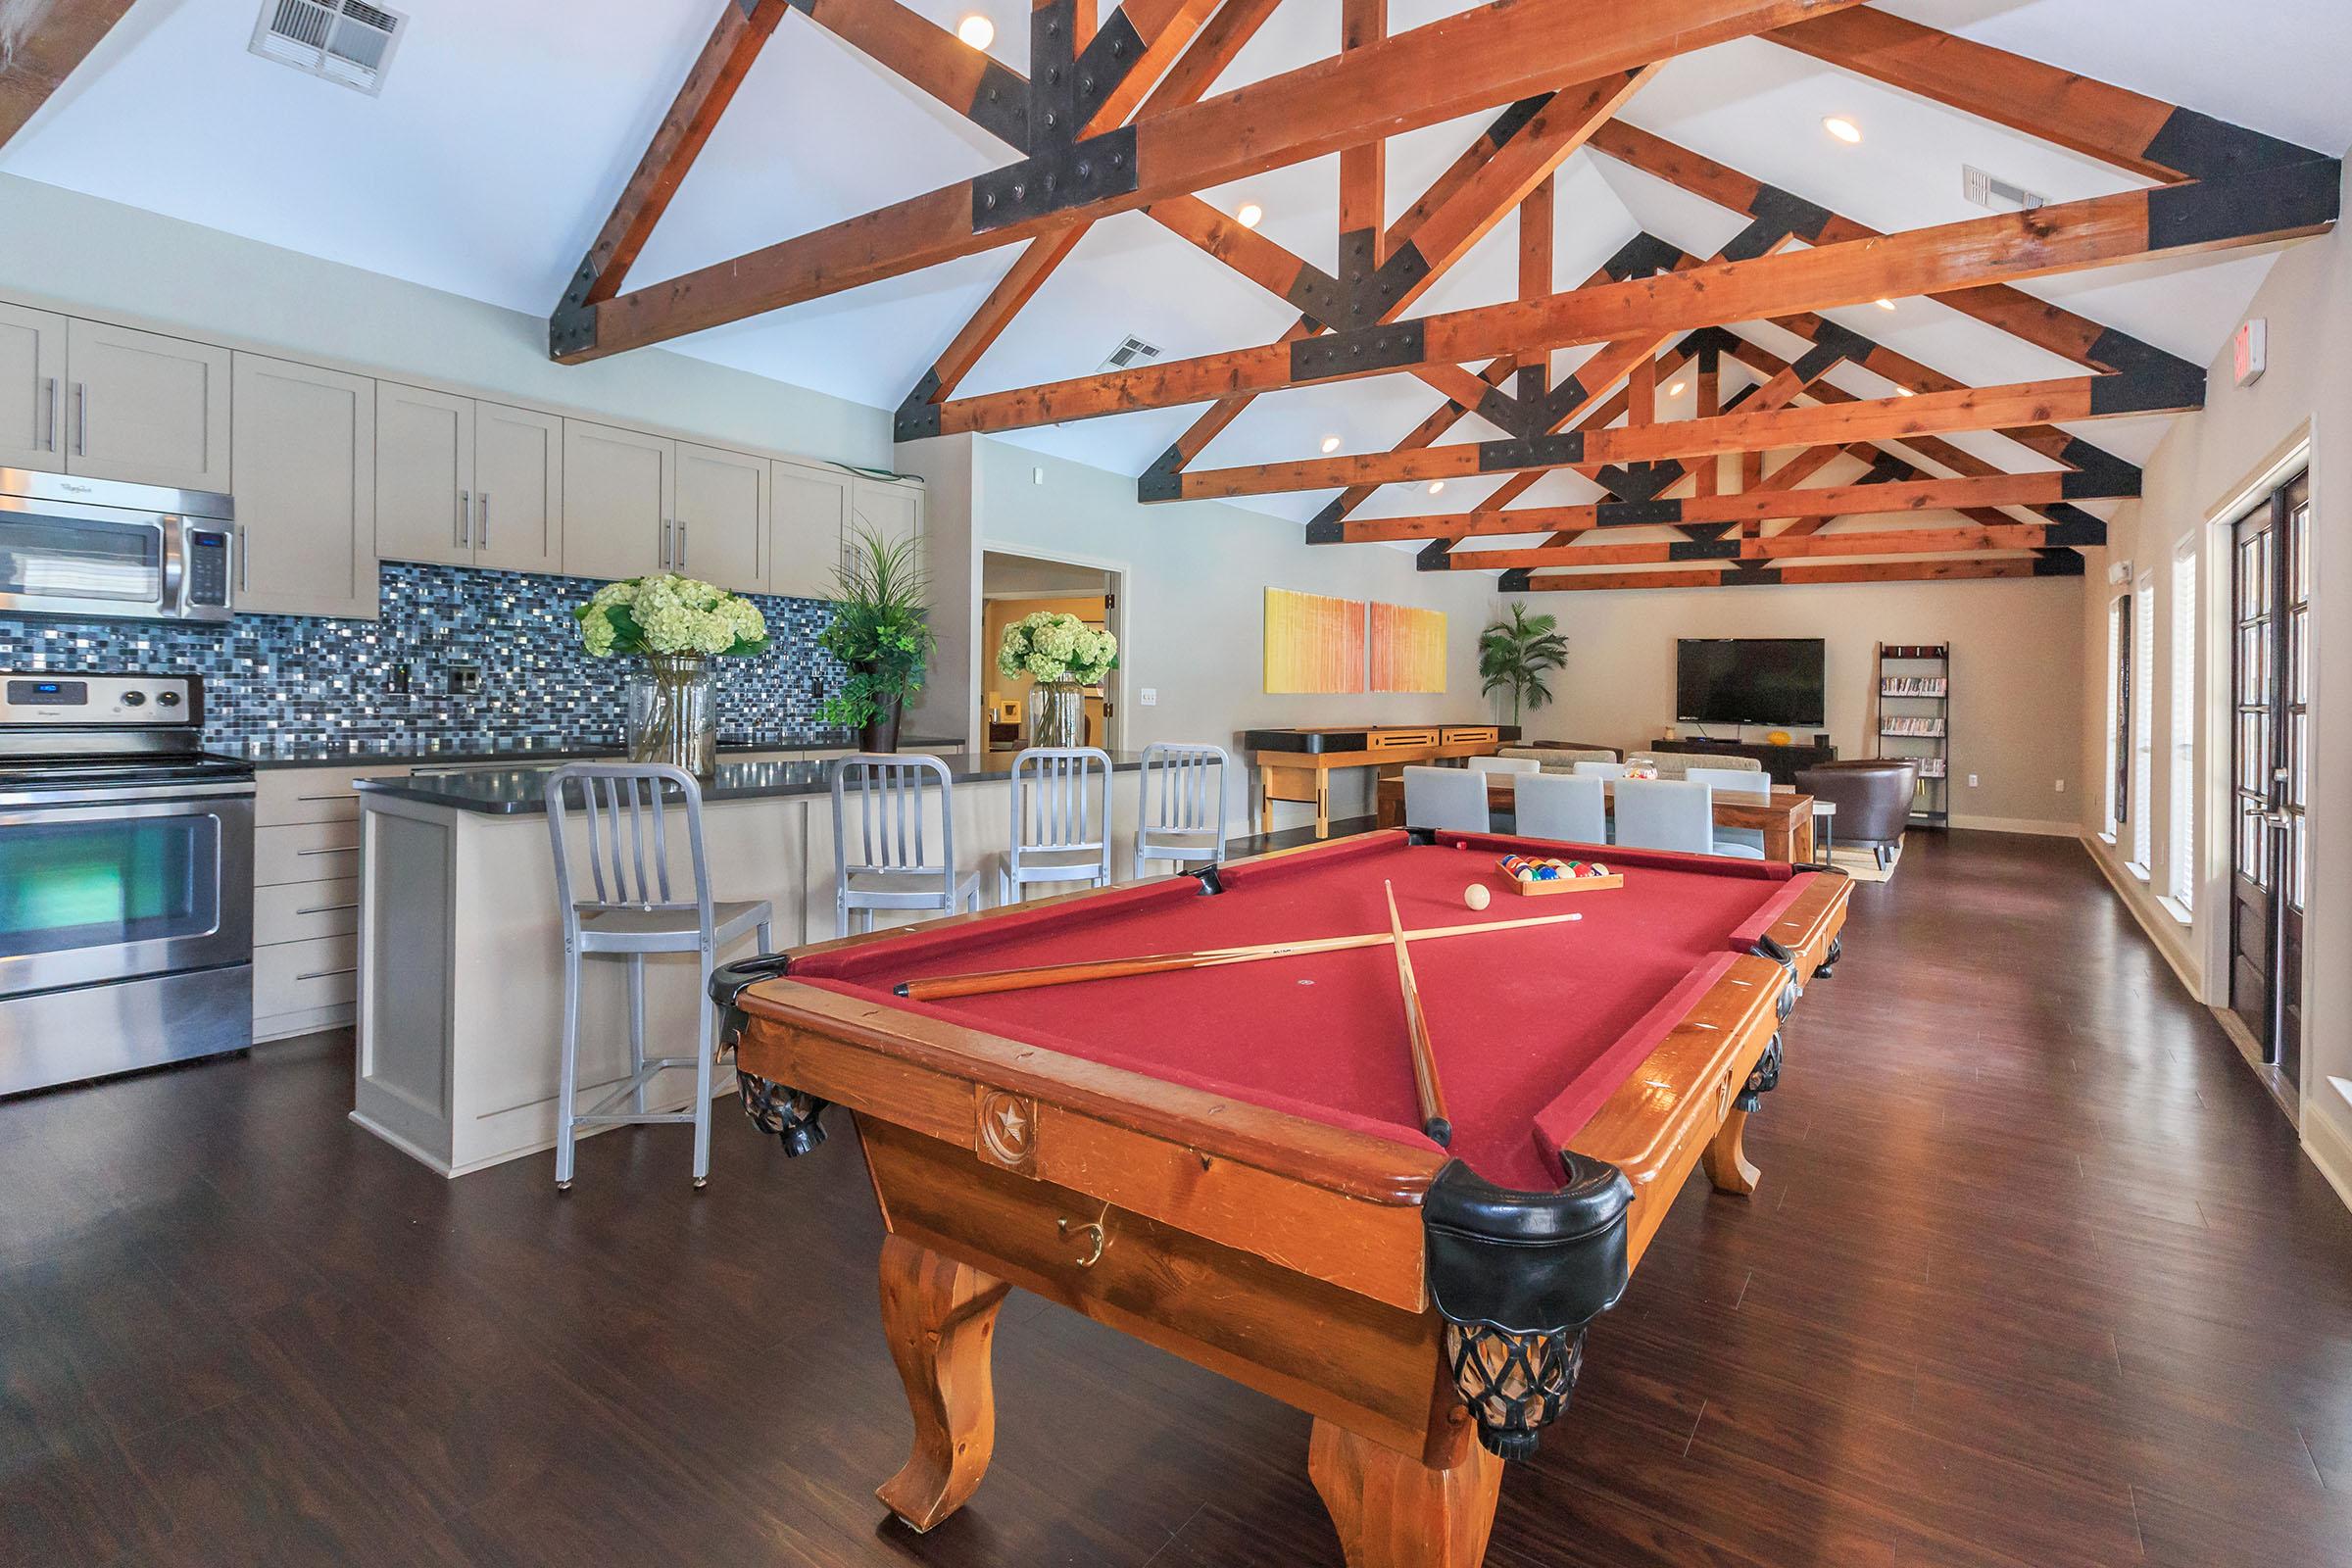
(2270, 763)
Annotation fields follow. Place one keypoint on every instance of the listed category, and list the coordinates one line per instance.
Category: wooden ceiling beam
(1498, 53)
(2101, 232)
(2130, 131)
(710, 83)
(2054, 564)
(1212, 49)
(1760, 505)
(2090, 397)
(1731, 547)
(1365, 166)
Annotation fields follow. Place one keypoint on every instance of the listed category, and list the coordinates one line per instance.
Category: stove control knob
(168, 698)
(135, 699)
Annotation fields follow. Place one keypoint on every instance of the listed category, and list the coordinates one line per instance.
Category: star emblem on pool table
(1007, 1128)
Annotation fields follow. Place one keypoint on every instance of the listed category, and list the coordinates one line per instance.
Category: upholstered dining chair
(1446, 800)
(1665, 814)
(1743, 843)
(1561, 807)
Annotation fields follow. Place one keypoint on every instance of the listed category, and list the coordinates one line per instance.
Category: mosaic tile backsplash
(299, 679)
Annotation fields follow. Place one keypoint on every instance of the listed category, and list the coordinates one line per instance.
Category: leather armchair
(1873, 796)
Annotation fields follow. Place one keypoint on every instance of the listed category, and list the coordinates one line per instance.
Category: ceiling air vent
(1131, 352)
(346, 42)
(1990, 190)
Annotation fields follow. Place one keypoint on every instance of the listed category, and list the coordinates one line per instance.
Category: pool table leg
(1393, 1511)
(939, 1317)
(1726, 1158)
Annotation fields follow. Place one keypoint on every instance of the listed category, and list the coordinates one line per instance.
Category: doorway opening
(1013, 585)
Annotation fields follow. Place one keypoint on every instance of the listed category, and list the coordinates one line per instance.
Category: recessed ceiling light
(1437, 487)
(1883, 305)
(1842, 128)
(1331, 443)
(1247, 214)
(1676, 390)
(976, 31)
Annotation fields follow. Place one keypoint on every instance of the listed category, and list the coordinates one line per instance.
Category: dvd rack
(1914, 721)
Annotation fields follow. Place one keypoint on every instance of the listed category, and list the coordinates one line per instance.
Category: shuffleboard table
(1296, 765)
(1229, 1162)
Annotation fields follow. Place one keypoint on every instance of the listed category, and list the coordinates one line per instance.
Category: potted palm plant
(1517, 655)
(882, 633)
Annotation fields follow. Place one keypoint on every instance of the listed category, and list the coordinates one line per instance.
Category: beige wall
(1193, 625)
(67, 250)
(2016, 673)
(2207, 463)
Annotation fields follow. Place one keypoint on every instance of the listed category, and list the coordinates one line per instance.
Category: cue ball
(1476, 895)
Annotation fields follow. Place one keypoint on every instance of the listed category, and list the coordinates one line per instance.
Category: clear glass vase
(1058, 713)
(673, 713)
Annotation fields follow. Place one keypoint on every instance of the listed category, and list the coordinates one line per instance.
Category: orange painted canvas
(1409, 649)
(1314, 643)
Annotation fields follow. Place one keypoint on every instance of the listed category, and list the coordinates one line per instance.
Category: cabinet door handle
(81, 419)
(681, 547)
(666, 525)
(481, 520)
(52, 446)
(466, 519)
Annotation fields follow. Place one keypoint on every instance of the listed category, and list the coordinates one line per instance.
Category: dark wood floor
(2036, 1276)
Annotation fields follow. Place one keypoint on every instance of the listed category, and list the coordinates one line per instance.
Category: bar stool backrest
(1184, 788)
(626, 808)
(896, 794)
(1062, 801)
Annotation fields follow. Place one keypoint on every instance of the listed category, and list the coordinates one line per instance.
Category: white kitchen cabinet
(719, 516)
(618, 488)
(32, 389)
(467, 483)
(808, 512)
(518, 488)
(424, 464)
(149, 409)
(888, 509)
(306, 490)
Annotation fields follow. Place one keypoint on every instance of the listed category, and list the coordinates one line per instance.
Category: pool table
(1230, 1163)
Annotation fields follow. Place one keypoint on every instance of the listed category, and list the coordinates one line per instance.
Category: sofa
(1873, 796)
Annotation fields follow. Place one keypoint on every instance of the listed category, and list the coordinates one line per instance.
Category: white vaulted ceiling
(507, 130)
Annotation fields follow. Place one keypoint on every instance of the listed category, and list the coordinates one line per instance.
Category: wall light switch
(1037, 476)
(2062, 786)
(1148, 697)
(1971, 781)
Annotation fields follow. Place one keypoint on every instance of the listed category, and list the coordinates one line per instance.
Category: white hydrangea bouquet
(665, 615)
(675, 626)
(1050, 645)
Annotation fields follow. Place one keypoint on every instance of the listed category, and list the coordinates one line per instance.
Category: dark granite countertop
(434, 752)
(521, 791)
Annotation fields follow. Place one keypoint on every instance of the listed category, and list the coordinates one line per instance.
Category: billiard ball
(1476, 895)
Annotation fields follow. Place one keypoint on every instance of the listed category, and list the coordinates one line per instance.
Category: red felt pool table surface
(1533, 1030)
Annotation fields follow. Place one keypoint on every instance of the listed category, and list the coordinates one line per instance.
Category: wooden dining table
(1785, 819)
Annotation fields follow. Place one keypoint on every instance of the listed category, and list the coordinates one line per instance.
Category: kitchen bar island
(461, 942)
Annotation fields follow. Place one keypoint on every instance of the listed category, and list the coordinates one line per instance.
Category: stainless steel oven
(125, 879)
(95, 546)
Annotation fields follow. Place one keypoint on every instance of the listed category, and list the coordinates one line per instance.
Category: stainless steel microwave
(100, 547)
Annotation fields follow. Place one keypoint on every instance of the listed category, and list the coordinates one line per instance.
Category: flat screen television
(1749, 680)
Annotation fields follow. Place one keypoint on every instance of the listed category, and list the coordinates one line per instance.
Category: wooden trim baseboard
(2331, 1151)
(2169, 937)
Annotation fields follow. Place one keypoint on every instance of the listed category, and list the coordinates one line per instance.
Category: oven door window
(46, 556)
(73, 886)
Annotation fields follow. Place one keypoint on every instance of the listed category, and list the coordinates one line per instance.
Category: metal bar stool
(636, 911)
(895, 796)
(1060, 820)
(1183, 801)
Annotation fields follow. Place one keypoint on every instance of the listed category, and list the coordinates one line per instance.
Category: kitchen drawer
(307, 852)
(297, 912)
(292, 976)
(286, 795)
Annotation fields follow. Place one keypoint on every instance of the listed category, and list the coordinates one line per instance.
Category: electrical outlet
(1037, 476)
(1148, 697)
(2062, 786)
(1971, 781)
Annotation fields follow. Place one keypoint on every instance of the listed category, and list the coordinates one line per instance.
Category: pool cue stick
(940, 987)
(1416, 1025)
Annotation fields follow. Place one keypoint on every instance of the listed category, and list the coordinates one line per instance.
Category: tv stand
(1781, 762)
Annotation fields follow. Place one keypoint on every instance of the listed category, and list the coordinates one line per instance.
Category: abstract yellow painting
(1314, 643)
(1409, 649)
